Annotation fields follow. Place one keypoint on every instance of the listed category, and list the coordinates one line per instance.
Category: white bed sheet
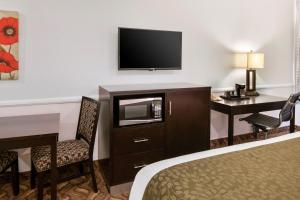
(145, 175)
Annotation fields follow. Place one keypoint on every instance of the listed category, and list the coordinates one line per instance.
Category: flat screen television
(141, 49)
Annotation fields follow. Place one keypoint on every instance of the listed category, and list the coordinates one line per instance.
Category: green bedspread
(262, 173)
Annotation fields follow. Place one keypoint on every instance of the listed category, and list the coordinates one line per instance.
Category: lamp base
(251, 93)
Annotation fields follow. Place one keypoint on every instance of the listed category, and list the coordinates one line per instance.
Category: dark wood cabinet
(125, 167)
(188, 122)
(135, 139)
(185, 127)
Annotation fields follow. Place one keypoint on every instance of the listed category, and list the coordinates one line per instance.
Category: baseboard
(44, 101)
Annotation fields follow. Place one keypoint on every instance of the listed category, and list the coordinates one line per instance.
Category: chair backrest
(88, 121)
(286, 112)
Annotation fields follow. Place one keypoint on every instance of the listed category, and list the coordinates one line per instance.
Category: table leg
(54, 169)
(292, 121)
(230, 129)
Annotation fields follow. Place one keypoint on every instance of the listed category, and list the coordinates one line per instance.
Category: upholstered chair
(9, 159)
(77, 152)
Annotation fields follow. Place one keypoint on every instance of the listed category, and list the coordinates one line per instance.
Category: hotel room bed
(268, 169)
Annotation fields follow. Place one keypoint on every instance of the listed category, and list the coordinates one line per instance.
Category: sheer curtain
(297, 46)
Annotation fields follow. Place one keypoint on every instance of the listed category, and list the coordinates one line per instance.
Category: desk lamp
(251, 61)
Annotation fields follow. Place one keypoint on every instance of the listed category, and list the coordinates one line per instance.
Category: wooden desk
(17, 132)
(253, 105)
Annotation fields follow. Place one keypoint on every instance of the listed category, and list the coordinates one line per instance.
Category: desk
(17, 132)
(253, 105)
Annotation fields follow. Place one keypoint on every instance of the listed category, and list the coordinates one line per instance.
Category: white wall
(68, 47)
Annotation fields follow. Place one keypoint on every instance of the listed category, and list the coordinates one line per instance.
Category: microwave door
(137, 111)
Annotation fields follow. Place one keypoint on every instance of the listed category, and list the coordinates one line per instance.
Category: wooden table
(30, 131)
(253, 105)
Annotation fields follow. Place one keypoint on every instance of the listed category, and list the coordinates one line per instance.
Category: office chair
(264, 122)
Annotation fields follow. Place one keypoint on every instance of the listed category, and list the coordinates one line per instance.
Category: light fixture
(251, 61)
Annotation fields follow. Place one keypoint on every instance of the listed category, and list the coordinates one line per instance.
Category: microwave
(140, 110)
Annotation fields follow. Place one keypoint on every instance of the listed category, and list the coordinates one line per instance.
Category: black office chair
(264, 122)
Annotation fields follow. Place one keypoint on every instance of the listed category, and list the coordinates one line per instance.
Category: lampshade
(249, 60)
(256, 60)
(241, 60)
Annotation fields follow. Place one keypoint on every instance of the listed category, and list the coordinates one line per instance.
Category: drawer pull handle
(139, 166)
(141, 140)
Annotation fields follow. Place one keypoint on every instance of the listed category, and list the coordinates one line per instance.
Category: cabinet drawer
(138, 139)
(126, 167)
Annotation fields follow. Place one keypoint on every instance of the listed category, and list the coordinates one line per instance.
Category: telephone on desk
(235, 95)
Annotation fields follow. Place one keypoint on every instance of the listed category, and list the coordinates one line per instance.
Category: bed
(268, 169)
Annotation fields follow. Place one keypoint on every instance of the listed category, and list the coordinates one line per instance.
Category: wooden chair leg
(256, 131)
(92, 171)
(15, 177)
(266, 134)
(81, 169)
(40, 177)
(32, 176)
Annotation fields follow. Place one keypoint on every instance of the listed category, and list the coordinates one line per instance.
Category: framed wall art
(9, 45)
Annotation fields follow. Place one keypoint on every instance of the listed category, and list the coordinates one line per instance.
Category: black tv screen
(149, 49)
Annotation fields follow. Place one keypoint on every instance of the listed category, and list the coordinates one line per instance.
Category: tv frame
(148, 69)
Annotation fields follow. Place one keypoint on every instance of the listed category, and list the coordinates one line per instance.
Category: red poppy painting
(9, 45)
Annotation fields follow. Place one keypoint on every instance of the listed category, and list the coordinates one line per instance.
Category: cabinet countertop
(154, 86)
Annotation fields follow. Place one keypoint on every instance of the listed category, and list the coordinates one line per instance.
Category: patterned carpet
(81, 188)
(76, 189)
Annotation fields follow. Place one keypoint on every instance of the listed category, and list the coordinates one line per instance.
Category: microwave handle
(170, 108)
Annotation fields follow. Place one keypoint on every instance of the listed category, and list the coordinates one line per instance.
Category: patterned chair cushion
(6, 158)
(68, 152)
